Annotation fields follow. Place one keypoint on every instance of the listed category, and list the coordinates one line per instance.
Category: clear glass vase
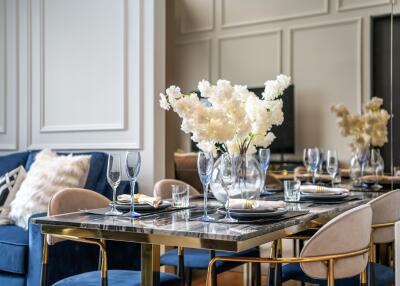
(248, 183)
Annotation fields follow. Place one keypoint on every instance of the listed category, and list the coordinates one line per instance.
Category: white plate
(143, 207)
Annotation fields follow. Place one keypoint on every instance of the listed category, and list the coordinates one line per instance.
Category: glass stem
(313, 176)
(205, 188)
(228, 211)
(133, 183)
(114, 198)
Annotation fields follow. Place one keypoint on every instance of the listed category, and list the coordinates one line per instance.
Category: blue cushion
(13, 249)
(12, 161)
(115, 278)
(199, 258)
(383, 276)
(10, 279)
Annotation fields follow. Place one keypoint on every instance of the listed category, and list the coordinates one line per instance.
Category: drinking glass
(362, 156)
(113, 179)
(305, 159)
(378, 166)
(205, 164)
(332, 164)
(313, 161)
(292, 190)
(355, 171)
(264, 157)
(180, 196)
(228, 180)
(133, 162)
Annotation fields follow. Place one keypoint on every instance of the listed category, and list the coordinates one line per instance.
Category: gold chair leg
(45, 259)
(331, 272)
(363, 277)
(104, 265)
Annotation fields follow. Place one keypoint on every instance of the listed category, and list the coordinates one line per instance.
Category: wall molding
(278, 34)
(225, 25)
(6, 108)
(121, 125)
(131, 120)
(3, 128)
(206, 40)
(359, 47)
(184, 31)
(340, 7)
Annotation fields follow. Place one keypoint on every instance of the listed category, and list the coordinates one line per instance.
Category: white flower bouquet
(367, 129)
(231, 116)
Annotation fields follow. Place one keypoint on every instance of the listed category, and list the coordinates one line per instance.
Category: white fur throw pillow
(48, 174)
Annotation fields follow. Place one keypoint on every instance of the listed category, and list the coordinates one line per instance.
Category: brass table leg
(45, 254)
(150, 265)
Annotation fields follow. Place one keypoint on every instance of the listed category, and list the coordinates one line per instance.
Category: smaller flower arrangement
(367, 129)
(231, 116)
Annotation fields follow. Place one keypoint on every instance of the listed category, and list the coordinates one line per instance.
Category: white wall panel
(8, 76)
(325, 64)
(238, 12)
(196, 16)
(194, 63)
(343, 5)
(250, 59)
(85, 84)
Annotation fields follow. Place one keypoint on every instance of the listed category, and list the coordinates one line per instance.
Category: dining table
(182, 227)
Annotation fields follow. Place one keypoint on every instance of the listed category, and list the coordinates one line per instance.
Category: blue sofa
(21, 250)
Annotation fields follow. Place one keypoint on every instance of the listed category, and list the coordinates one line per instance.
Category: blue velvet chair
(20, 262)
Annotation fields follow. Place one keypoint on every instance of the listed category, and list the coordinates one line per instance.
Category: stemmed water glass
(205, 164)
(228, 179)
(332, 164)
(378, 166)
(114, 178)
(264, 157)
(133, 163)
(362, 156)
(305, 159)
(313, 161)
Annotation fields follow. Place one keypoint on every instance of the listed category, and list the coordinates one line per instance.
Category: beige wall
(323, 44)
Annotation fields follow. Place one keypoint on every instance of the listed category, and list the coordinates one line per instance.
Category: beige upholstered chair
(386, 211)
(162, 188)
(186, 169)
(338, 250)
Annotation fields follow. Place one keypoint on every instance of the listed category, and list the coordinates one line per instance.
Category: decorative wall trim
(225, 25)
(81, 127)
(358, 22)
(206, 40)
(184, 31)
(3, 128)
(133, 70)
(278, 34)
(340, 7)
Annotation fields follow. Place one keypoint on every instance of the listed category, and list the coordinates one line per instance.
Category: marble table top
(183, 224)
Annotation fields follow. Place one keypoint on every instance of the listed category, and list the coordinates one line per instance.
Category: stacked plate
(254, 213)
(324, 196)
(142, 206)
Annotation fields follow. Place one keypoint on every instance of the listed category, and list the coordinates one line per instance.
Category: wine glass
(313, 161)
(362, 156)
(264, 157)
(378, 166)
(114, 178)
(332, 164)
(228, 179)
(305, 159)
(133, 162)
(205, 164)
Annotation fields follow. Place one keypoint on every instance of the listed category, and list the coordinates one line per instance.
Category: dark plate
(320, 196)
(241, 214)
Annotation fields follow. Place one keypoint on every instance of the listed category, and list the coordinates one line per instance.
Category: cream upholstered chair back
(385, 209)
(163, 188)
(348, 232)
(73, 200)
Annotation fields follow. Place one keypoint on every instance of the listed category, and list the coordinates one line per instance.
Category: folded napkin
(255, 204)
(320, 189)
(141, 199)
(372, 178)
